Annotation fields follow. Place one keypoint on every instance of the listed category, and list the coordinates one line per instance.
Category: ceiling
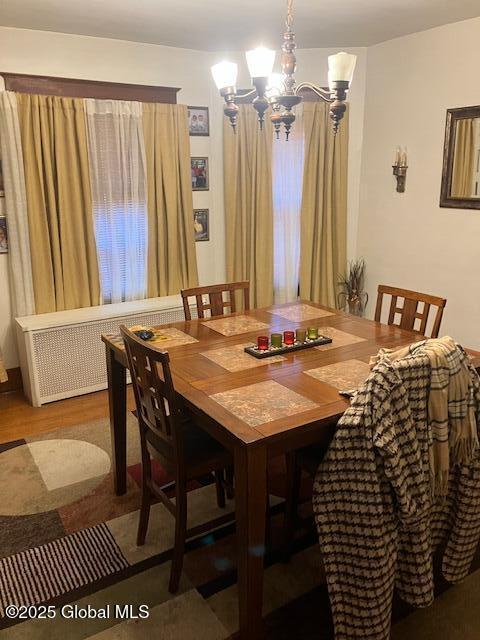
(222, 25)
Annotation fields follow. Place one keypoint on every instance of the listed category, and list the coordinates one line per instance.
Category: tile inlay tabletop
(164, 338)
(263, 402)
(346, 375)
(339, 339)
(300, 312)
(234, 325)
(234, 358)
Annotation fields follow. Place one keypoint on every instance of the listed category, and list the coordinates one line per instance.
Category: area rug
(65, 536)
(62, 526)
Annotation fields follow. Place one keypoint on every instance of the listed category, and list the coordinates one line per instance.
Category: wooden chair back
(217, 302)
(409, 312)
(155, 396)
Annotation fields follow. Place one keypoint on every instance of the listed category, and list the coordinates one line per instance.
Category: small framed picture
(198, 123)
(3, 235)
(201, 224)
(200, 180)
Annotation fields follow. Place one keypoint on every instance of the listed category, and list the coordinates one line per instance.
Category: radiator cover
(62, 355)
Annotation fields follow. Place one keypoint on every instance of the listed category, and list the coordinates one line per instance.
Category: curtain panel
(464, 159)
(57, 179)
(16, 205)
(3, 371)
(247, 157)
(172, 262)
(324, 205)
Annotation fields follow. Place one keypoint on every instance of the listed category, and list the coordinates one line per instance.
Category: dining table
(257, 408)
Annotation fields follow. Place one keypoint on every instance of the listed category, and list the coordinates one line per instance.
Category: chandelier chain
(289, 20)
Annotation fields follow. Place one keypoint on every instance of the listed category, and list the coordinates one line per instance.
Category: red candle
(262, 343)
(289, 337)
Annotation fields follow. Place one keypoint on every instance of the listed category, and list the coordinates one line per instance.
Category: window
(117, 162)
(287, 181)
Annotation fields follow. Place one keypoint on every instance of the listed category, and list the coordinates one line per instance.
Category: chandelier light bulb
(341, 67)
(260, 62)
(225, 74)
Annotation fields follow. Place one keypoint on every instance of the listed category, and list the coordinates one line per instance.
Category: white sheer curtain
(16, 206)
(118, 175)
(287, 178)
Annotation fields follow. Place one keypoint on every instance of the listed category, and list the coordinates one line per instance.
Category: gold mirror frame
(446, 200)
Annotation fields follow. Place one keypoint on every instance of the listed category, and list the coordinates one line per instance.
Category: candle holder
(289, 337)
(276, 340)
(308, 343)
(301, 335)
(312, 333)
(262, 343)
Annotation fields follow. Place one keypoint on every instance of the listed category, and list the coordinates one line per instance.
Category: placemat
(233, 358)
(263, 402)
(163, 338)
(301, 312)
(344, 376)
(339, 338)
(234, 325)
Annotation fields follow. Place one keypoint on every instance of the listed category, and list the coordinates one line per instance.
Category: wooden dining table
(257, 409)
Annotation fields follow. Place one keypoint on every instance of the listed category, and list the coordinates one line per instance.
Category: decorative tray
(278, 351)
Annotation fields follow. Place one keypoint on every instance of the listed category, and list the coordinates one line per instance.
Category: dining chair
(168, 433)
(216, 304)
(409, 312)
(305, 460)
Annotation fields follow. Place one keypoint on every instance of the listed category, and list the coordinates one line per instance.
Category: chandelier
(279, 90)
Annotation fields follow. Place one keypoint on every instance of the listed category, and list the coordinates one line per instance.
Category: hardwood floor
(19, 419)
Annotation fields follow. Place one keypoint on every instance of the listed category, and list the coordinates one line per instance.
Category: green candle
(312, 333)
(276, 339)
(301, 335)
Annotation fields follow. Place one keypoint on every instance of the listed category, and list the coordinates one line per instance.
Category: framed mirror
(461, 159)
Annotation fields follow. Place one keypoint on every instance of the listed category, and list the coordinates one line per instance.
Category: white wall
(406, 238)
(45, 53)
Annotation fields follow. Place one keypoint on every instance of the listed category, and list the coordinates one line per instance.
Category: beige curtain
(248, 205)
(172, 263)
(324, 205)
(3, 371)
(16, 206)
(62, 243)
(464, 156)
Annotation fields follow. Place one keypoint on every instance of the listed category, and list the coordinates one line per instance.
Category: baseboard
(14, 381)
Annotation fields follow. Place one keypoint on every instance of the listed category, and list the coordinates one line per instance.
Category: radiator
(61, 353)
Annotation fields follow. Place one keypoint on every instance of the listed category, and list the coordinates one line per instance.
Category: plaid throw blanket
(377, 520)
(451, 414)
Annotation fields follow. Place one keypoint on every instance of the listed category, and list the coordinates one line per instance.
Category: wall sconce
(400, 167)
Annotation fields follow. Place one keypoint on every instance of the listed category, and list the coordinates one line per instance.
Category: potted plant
(352, 294)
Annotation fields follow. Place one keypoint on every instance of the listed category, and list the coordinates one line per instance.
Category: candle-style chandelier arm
(322, 93)
(336, 97)
(247, 94)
